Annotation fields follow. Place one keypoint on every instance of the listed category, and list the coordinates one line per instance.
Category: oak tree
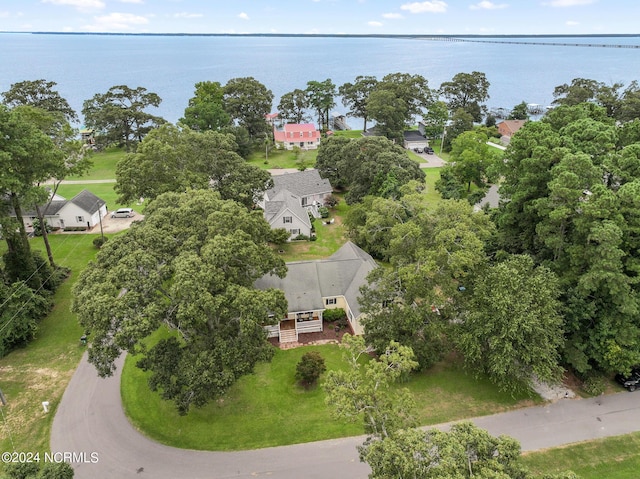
(188, 269)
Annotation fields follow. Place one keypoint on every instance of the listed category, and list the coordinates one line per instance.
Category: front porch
(289, 329)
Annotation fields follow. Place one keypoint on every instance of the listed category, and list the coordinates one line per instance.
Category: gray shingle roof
(285, 200)
(87, 201)
(301, 183)
(307, 282)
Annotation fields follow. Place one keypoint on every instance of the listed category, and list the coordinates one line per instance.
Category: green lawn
(281, 158)
(330, 237)
(431, 176)
(41, 370)
(104, 165)
(268, 408)
(611, 458)
(348, 133)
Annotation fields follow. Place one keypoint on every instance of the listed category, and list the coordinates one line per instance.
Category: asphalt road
(90, 420)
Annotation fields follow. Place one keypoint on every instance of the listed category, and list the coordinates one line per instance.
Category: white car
(123, 213)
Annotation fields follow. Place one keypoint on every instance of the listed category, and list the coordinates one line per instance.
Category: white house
(303, 135)
(284, 210)
(311, 287)
(82, 211)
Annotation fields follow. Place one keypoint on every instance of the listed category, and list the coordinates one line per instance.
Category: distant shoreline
(335, 35)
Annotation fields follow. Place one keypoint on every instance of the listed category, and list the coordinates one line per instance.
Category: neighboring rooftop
(301, 183)
(307, 282)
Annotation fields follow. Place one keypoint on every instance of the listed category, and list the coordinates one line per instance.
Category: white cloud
(487, 5)
(569, 3)
(243, 15)
(375, 24)
(436, 6)
(4, 14)
(392, 15)
(132, 1)
(82, 5)
(187, 15)
(571, 23)
(116, 22)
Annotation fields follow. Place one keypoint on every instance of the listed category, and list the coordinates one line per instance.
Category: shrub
(331, 201)
(324, 211)
(309, 368)
(37, 228)
(336, 314)
(594, 384)
(301, 237)
(99, 241)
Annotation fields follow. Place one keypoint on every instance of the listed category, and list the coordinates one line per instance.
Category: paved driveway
(90, 419)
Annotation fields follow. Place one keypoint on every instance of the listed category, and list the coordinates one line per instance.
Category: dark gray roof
(413, 135)
(307, 282)
(88, 201)
(285, 200)
(51, 210)
(301, 183)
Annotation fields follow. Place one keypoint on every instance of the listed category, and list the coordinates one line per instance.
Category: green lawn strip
(268, 408)
(104, 165)
(612, 458)
(329, 237)
(431, 176)
(348, 133)
(41, 370)
(282, 158)
(101, 190)
(448, 392)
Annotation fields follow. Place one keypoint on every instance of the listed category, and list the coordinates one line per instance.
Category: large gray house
(291, 195)
(314, 286)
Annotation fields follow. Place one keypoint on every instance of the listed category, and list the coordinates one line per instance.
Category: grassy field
(281, 158)
(41, 370)
(268, 408)
(104, 165)
(611, 458)
(330, 237)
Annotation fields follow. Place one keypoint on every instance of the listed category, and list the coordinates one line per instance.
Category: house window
(330, 301)
(294, 232)
(308, 316)
(80, 219)
(304, 201)
(301, 134)
(287, 219)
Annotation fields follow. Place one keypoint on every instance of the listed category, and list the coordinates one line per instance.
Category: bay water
(83, 65)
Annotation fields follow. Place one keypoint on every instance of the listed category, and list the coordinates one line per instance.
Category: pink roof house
(304, 135)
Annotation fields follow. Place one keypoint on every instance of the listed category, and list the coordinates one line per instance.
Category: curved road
(90, 419)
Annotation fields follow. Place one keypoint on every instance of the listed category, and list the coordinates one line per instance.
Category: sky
(488, 17)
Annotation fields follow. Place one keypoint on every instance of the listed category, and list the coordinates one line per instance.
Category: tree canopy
(321, 98)
(293, 106)
(40, 94)
(187, 269)
(366, 166)
(119, 116)
(247, 101)
(512, 325)
(467, 91)
(356, 95)
(206, 109)
(176, 159)
(568, 196)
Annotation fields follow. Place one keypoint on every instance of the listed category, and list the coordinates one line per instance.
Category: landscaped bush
(331, 315)
(310, 367)
(324, 211)
(75, 228)
(99, 241)
(331, 201)
(301, 237)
